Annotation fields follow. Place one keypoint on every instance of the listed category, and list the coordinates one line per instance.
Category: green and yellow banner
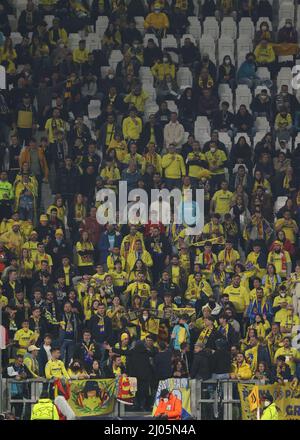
(92, 397)
(286, 397)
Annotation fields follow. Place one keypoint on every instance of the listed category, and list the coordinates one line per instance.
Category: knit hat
(59, 232)
(43, 218)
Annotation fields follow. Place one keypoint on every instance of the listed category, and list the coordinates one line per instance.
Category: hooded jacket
(172, 408)
(44, 410)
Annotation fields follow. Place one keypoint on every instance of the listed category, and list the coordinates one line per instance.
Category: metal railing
(211, 399)
(216, 399)
(33, 388)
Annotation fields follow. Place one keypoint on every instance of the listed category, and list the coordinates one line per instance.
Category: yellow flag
(254, 399)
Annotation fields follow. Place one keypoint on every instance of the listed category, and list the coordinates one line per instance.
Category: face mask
(110, 76)
(264, 28)
(61, 45)
(267, 403)
(288, 25)
(212, 150)
(157, 11)
(165, 60)
(165, 399)
(145, 318)
(227, 62)
(283, 295)
(135, 46)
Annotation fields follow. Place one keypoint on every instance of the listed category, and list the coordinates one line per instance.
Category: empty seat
(184, 77)
(226, 139)
(263, 73)
(115, 57)
(207, 46)
(262, 124)
(246, 27)
(195, 27)
(211, 27)
(228, 27)
(243, 96)
(286, 10)
(94, 108)
(226, 47)
(93, 42)
(244, 44)
(169, 42)
(101, 25)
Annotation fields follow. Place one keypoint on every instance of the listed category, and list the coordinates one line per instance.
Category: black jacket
(68, 180)
(80, 353)
(201, 366)
(103, 335)
(163, 365)
(146, 133)
(138, 363)
(220, 362)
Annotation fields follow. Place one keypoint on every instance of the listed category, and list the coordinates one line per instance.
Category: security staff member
(169, 406)
(270, 411)
(44, 409)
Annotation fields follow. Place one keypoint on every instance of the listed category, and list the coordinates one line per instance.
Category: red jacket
(172, 407)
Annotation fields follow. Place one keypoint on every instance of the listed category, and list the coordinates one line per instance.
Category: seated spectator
(288, 33)
(157, 21)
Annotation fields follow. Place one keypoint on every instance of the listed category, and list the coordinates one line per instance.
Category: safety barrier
(216, 399)
(33, 388)
(211, 399)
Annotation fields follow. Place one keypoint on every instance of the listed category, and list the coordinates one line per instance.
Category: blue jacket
(247, 70)
(104, 245)
(176, 329)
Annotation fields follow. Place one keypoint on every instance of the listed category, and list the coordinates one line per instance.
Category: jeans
(173, 183)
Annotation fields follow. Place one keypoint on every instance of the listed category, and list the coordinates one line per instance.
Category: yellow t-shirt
(24, 338)
(222, 201)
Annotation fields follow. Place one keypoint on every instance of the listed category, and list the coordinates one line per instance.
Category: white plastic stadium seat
(115, 57)
(225, 138)
(94, 108)
(228, 27)
(211, 27)
(244, 44)
(246, 27)
(262, 124)
(226, 47)
(243, 96)
(207, 46)
(286, 10)
(169, 42)
(184, 77)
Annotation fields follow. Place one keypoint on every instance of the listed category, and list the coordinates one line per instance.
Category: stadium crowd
(81, 300)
